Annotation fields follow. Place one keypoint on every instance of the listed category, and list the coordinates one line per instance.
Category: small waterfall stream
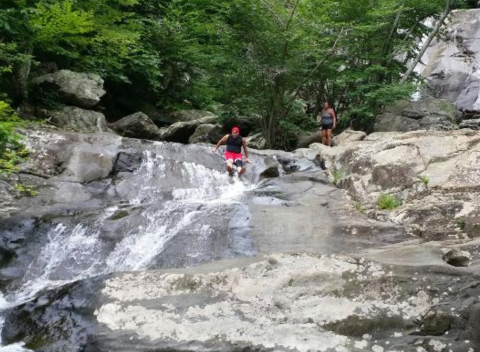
(168, 197)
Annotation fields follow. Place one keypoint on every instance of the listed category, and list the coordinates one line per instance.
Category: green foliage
(388, 202)
(424, 179)
(337, 176)
(26, 190)
(449, 109)
(12, 151)
(461, 223)
(59, 22)
(241, 57)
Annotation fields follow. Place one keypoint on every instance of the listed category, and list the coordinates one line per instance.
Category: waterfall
(171, 195)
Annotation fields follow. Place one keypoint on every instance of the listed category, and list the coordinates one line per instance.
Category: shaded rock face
(207, 133)
(473, 124)
(433, 173)
(83, 90)
(164, 119)
(305, 141)
(137, 125)
(256, 141)
(78, 119)
(451, 65)
(181, 131)
(189, 115)
(427, 114)
(457, 258)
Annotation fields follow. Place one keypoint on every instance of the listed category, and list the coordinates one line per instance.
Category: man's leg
(240, 168)
(230, 166)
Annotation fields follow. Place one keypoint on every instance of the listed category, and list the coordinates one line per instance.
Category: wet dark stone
(126, 162)
(436, 323)
(357, 326)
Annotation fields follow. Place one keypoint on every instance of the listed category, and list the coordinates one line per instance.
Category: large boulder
(164, 119)
(305, 141)
(78, 119)
(451, 63)
(79, 89)
(71, 157)
(206, 133)
(427, 114)
(256, 141)
(189, 115)
(182, 131)
(348, 136)
(137, 125)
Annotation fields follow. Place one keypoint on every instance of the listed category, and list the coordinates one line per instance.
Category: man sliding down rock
(233, 154)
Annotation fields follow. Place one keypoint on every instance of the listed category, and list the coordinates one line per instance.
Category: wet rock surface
(281, 260)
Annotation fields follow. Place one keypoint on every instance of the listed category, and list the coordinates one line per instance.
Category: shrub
(388, 202)
(337, 175)
(12, 151)
(26, 190)
(461, 223)
(425, 180)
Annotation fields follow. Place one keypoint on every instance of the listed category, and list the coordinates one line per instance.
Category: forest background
(278, 59)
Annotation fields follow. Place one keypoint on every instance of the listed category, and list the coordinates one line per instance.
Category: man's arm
(245, 150)
(223, 140)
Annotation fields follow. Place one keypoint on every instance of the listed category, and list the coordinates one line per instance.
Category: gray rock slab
(78, 119)
(79, 89)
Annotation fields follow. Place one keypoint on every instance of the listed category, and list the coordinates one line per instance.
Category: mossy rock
(118, 215)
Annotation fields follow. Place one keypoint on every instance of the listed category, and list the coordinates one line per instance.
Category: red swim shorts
(233, 156)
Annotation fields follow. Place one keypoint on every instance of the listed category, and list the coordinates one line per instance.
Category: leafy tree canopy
(274, 58)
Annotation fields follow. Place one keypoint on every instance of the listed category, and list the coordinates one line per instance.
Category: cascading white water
(75, 252)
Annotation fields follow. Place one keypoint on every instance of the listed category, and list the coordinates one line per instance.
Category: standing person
(328, 120)
(233, 154)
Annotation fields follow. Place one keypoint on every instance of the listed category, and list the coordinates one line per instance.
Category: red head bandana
(235, 130)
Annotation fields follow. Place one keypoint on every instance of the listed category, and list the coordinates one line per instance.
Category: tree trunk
(438, 25)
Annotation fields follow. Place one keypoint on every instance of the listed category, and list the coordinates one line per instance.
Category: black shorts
(327, 127)
(238, 162)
